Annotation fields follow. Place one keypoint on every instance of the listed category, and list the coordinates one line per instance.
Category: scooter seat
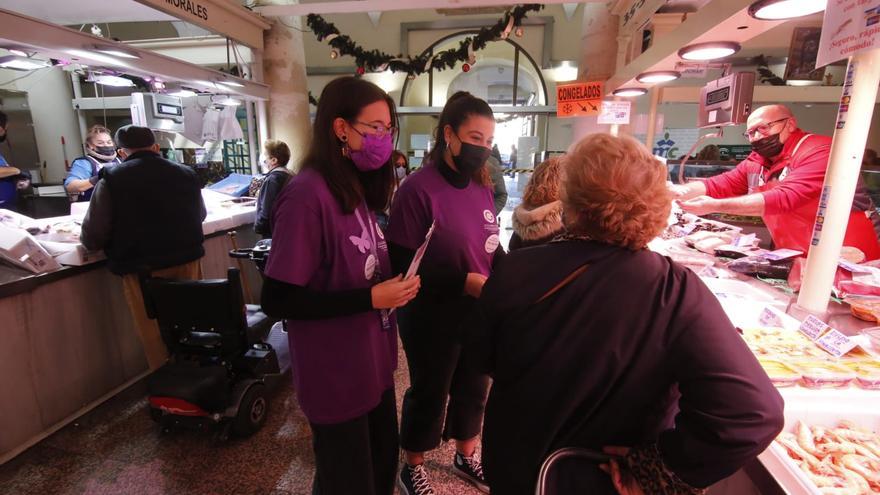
(205, 386)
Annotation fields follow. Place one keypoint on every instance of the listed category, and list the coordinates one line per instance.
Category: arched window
(504, 74)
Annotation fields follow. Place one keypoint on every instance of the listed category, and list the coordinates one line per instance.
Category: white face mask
(264, 164)
(401, 172)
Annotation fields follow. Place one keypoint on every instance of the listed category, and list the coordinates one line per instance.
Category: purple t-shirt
(465, 230)
(341, 365)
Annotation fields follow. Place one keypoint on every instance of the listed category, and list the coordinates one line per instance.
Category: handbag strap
(562, 283)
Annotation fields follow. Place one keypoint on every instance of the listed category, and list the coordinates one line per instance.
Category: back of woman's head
(345, 98)
(458, 109)
(543, 187)
(614, 191)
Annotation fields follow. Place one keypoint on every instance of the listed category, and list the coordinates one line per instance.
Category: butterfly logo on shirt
(363, 242)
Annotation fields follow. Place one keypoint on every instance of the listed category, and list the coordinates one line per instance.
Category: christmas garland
(375, 60)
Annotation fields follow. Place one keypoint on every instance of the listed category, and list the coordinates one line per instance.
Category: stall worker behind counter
(83, 175)
(142, 232)
(275, 176)
(781, 181)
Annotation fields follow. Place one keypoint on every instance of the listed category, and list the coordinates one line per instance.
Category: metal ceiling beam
(361, 6)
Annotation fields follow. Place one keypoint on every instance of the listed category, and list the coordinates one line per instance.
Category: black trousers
(431, 337)
(359, 455)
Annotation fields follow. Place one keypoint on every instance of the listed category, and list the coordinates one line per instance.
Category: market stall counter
(69, 342)
(825, 366)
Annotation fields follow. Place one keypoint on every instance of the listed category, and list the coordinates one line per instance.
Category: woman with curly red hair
(607, 345)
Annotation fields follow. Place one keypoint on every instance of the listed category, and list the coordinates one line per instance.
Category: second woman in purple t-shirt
(454, 193)
(330, 276)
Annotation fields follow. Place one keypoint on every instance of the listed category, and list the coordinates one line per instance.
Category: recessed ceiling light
(775, 10)
(16, 62)
(629, 92)
(711, 50)
(658, 76)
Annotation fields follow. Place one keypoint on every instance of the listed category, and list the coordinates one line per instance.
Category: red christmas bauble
(360, 71)
(466, 67)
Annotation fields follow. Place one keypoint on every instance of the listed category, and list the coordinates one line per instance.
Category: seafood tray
(838, 430)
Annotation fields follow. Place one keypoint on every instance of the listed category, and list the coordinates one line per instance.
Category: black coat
(273, 182)
(601, 362)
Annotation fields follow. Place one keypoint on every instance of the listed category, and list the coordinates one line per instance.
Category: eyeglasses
(762, 128)
(378, 129)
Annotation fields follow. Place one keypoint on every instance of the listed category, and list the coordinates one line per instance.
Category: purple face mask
(375, 152)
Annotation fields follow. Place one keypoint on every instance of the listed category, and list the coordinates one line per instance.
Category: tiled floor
(118, 449)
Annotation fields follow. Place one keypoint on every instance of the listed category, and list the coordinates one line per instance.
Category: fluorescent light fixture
(776, 10)
(658, 76)
(711, 50)
(232, 84)
(629, 92)
(116, 51)
(566, 71)
(21, 63)
(16, 51)
(98, 57)
(182, 93)
(226, 101)
(110, 80)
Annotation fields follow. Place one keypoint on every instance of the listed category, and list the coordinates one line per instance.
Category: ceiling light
(116, 51)
(182, 93)
(111, 80)
(98, 57)
(775, 10)
(226, 101)
(231, 83)
(711, 50)
(629, 92)
(658, 76)
(566, 71)
(16, 51)
(21, 63)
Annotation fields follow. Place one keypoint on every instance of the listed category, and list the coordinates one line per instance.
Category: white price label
(769, 318)
(781, 254)
(813, 327)
(836, 343)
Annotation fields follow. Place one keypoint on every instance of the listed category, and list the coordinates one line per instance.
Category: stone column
(284, 70)
(598, 59)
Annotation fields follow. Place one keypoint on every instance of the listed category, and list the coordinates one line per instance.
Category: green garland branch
(375, 60)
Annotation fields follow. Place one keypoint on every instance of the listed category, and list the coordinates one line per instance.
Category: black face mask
(768, 147)
(470, 158)
(106, 150)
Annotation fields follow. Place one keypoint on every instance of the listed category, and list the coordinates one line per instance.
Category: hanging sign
(614, 112)
(579, 99)
(849, 27)
(220, 16)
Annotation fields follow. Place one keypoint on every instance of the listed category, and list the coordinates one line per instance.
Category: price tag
(836, 343)
(781, 254)
(769, 318)
(813, 327)
(745, 240)
(852, 267)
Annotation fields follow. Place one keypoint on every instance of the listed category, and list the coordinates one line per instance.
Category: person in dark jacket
(143, 232)
(606, 345)
(276, 154)
(539, 218)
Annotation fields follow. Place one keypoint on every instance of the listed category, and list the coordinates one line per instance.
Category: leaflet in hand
(420, 253)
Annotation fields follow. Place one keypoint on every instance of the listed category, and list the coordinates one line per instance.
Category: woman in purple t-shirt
(330, 276)
(454, 193)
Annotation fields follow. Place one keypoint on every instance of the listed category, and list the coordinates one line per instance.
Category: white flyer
(614, 112)
(849, 27)
(420, 253)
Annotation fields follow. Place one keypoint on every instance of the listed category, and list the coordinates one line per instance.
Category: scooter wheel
(252, 412)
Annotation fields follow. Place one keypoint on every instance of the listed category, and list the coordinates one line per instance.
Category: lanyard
(384, 314)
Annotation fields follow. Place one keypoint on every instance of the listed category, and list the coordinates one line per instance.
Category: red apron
(794, 229)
